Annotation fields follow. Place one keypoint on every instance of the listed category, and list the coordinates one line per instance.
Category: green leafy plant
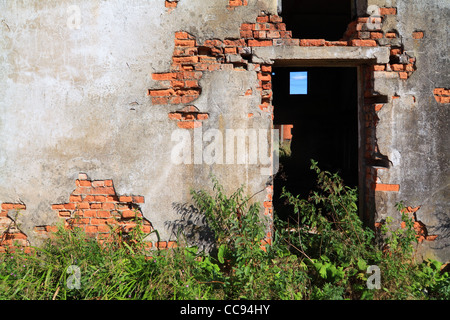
(239, 231)
(326, 231)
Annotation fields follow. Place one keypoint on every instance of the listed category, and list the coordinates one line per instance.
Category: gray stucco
(75, 100)
(414, 129)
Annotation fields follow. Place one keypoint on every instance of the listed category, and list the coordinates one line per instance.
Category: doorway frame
(360, 88)
(362, 58)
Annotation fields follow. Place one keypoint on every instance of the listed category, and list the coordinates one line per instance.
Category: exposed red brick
(64, 214)
(88, 213)
(395, 51)
(363, 43)
(336, 43)
(419, 227)
(272, 34)
(378, 67)
(259, 34)
(51, 228)
(91, 229)
(100, 198)
(267, 204)
(266, 26)
(97, 211)
(69, 206)
(11, 237)
(266, 68)
(95, 205)
(185, 43)
(397, 67)
(164, 76)
(171, 4)
(431, 238)
(387, 187)
(247, 26)
(230, 50)
(285, 34)
(246, 34)
(15, 206)
(75, 199)
(312, 42)
(125, 199)
(182, 35)
(403, 75)
(442, 95)
(188, 99)
(104, 213)
(275, 19)
(212, 43)
(237, 3)
(189, 124)
(95, 221)
(234, 42)
(436, 91)
(162, 92)
(83, 183)
(103, 228)
(202, 116)
(376, 35)
(186, 60)
(262, 19)
(362, 20)
(264, 76)
(172, 244)
(378, 107)
(280, 27)
(108, 183)
(390, 35)
(418, 35)
(409, 67)
(388, 11)
(259, 43)
(161, 245)
(175, 116)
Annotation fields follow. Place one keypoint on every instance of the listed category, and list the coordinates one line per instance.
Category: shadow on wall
(442, 226)
(191, 227)
(443, 229)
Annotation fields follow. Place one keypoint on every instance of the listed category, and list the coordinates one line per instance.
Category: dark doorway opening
(320, 107)
(318, 19)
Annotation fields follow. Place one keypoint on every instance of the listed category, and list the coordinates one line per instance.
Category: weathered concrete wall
(75, 82)
(413, 130)
(74, 99)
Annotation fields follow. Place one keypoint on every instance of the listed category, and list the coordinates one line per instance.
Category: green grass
(116, 270)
